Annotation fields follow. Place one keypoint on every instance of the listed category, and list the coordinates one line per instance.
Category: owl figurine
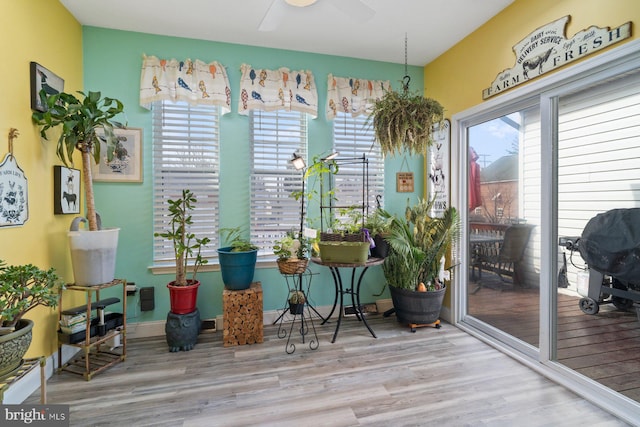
(182, 330)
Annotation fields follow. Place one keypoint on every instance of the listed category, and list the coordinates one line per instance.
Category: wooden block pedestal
(242, 316)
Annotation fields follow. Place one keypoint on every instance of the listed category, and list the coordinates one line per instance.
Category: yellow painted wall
(45, 32)
(458, 77)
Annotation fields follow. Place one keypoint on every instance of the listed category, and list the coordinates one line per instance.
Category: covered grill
(610, 245)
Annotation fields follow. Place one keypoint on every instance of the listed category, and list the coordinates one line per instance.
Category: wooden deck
(604, 347)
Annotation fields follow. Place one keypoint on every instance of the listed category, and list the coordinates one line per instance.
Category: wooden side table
(242, 318)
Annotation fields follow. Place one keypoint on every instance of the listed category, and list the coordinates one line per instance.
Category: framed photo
(66, 190)
(126, 165)
(41, 78)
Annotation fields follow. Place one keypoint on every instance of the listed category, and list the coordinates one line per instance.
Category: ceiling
(431, 26)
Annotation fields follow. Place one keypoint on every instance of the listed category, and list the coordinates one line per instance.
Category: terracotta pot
(183, 298)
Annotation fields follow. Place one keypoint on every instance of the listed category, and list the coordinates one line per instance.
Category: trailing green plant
(234, 237)
(404, 122)
(79, 120)
(291, 246)
(23, 287)
(418, 244)
(297, 297)
(185, 243)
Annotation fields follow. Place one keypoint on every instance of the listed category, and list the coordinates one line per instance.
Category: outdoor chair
(504, 257)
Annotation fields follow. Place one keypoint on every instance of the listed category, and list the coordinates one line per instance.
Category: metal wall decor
(14, 201)
(547, 48)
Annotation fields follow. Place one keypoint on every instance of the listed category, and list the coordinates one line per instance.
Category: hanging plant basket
(404, 122)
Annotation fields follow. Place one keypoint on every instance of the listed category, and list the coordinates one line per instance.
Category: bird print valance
(195, 82)
(353, 96)
(281, 89)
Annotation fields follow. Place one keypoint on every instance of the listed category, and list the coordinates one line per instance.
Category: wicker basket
(346, 237)
(292, 267)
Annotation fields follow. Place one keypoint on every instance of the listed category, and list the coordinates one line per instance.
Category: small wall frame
(41, 78)
(404, 182)
(126, 165)
(66, 190)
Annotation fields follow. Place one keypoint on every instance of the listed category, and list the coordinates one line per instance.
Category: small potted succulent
(297, 300)
(292, 253)
(22, 287)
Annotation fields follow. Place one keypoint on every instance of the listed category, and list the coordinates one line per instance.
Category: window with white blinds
(353, 138)
(185, 156)
(275, 136)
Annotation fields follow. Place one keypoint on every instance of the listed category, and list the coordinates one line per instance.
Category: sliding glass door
(504, 222)
(549, 188)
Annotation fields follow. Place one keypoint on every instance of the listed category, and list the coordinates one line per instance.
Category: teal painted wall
(112, 62)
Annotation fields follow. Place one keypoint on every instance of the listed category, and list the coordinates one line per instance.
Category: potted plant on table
(237, 259)
(93, 254)
(378, 224)
(292, 253)
(414, 268)
(22, 287)
(183, 291)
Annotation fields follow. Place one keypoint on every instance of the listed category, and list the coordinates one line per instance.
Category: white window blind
(275, 136)
(353, 138)
(185, 156)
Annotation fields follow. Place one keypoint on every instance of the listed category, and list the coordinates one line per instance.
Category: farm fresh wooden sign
(547, 48)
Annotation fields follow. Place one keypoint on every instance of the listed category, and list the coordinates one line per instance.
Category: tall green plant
(79, 120)
(418, 242)
(185, 243)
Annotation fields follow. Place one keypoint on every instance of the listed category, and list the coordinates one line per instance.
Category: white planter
(93, 255)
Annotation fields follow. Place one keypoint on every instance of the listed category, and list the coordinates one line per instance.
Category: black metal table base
(353, 290)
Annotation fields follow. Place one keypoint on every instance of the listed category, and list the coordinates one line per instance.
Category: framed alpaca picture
(66, 190)
(126, 165)
(41, 78)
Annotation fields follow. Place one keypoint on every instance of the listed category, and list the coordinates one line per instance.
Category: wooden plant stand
(242, 316)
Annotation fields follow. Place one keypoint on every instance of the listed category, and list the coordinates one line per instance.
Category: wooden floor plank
(430, 377)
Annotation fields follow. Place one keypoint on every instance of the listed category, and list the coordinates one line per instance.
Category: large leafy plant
(79, 121)
(23, 287)
(418, 244)
(185, 243)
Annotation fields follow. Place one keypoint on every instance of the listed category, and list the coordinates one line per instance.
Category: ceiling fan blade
(275, 14)
(354, 9)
